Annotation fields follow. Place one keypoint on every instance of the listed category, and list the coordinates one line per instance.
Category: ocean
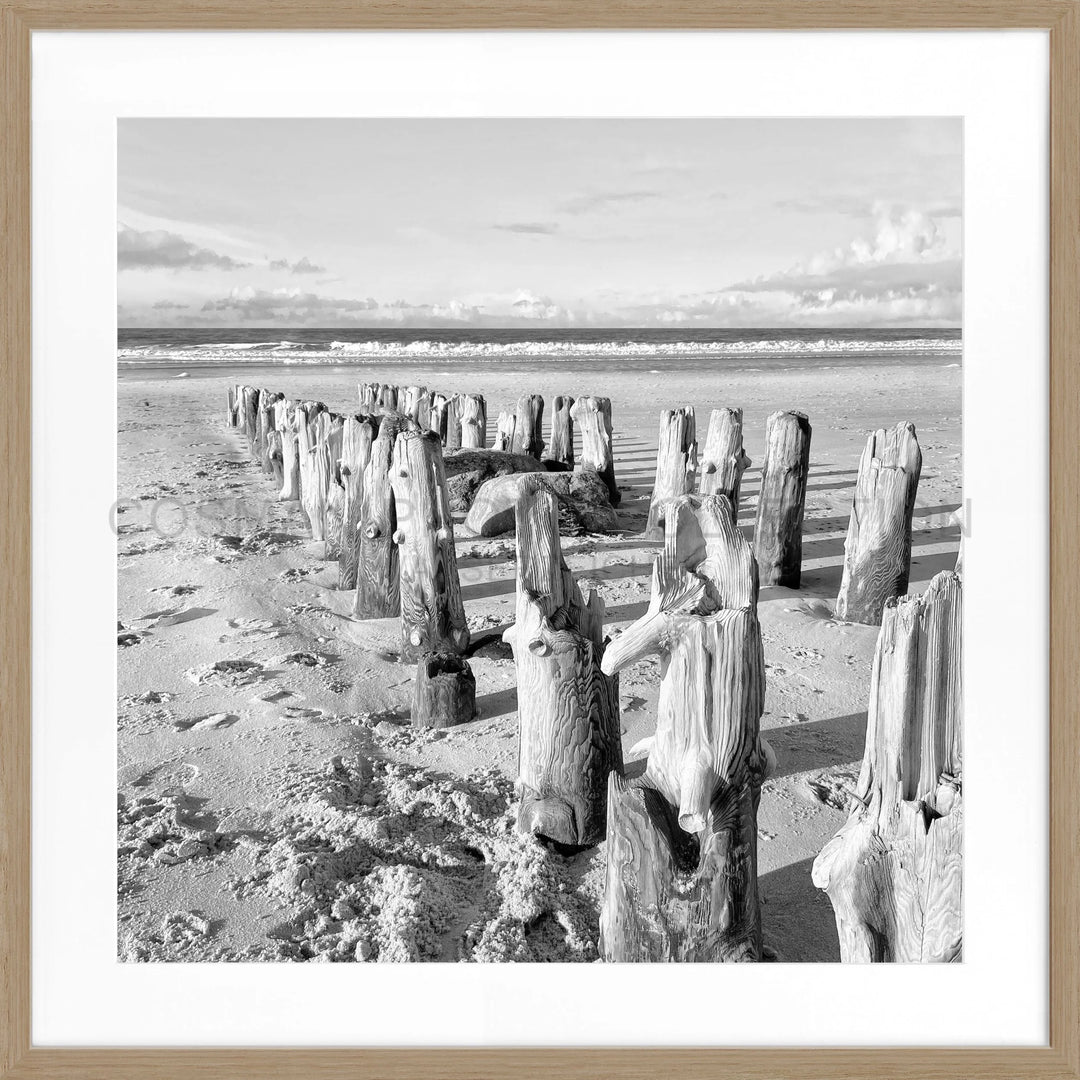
(167, 350)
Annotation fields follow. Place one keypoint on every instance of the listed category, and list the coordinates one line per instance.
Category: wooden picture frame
(19, 1058)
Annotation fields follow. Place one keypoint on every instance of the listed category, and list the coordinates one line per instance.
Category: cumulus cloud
(161, 250)
(302, 266)
(530, 228)
(169, 305)
(284, 305)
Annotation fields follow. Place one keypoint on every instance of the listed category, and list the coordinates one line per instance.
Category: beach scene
(597, 602)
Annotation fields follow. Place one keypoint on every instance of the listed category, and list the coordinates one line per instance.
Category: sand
(273, 802)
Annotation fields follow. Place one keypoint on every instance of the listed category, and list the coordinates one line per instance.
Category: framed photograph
(540, 541)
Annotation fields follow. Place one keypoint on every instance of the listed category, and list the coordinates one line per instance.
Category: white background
(83, 82)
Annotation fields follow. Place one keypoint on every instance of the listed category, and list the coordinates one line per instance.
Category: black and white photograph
(539, 540)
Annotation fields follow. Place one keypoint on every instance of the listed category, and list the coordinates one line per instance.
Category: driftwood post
(472, 421)
(682, 835)
(569, 709)
(445, 692)
(440, 406)
(410, 401)
(676, 466)
(877, 552)
(528, 425)
(453, 423)
(335, 492)
(377, 588)
(778, 529)
(561, 446)
(250, 415)
(894, 872)
(432, 613)
(286, 422)
(356, 442)
(388, 397)
(505, 428)
(724, 460)
(593, 417)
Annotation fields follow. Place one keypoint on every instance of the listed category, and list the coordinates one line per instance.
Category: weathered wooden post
(250, 411)
(411, 401)
(358, 435)
(894, 872)
(275, 455)
(528, 425)
(472, 419)
(593, 416)
(682, 835)
(432, 613)
(440, 405)
(377, 580)
(676, 466)
(290, 459)
(561, 446)
(505, 429)
(388, 397)
(724, 460)
(445, 692)
(568, 708)
(877, 552)
(267, 401)
(231, 409)
(453, 423)
(778, 528)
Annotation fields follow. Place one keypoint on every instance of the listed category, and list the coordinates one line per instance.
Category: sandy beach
(280, 807)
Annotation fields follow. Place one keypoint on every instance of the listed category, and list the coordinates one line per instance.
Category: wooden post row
(528, 426)
(778, 528)
(894, 871)
(560, 448)
(568, 707)
(682, 835)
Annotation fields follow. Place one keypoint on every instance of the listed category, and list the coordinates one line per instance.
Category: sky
(539, 222)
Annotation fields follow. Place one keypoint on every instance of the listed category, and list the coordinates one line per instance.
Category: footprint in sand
(175, 616)
(202, 723)
(175, 590)
(308, 659)
(127, 639)
(251, 629)
(226, 673)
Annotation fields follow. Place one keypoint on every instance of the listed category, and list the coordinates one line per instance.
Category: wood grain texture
(432, 612)
(593, 418)
(505, 429)
(724, 459)
(378, 594)
(444, 693)
(676, 466)
(19, 1059)
(568, 708)
(782, 499)
(682, 852)
(894, 872)
(877, 552)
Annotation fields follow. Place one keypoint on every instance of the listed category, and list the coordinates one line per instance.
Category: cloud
(285, 306)
(169, 305)
(531, 228)
(161, 250)
(303, 266)
(604, 201)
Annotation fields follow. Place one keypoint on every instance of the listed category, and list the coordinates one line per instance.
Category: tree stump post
(877, 551)
(440, 405)
(445, 692)
(894, 871)
(377, 579)
(681, 878)
(561, 446)
(528, 426)
(676, 466)
(593, 417)
(472, 419)
(778, 528)
(453, 423)
(724, 460)
(432, 612)
(505, 429)
(388, 397)
(357, 438)
(569, 709)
